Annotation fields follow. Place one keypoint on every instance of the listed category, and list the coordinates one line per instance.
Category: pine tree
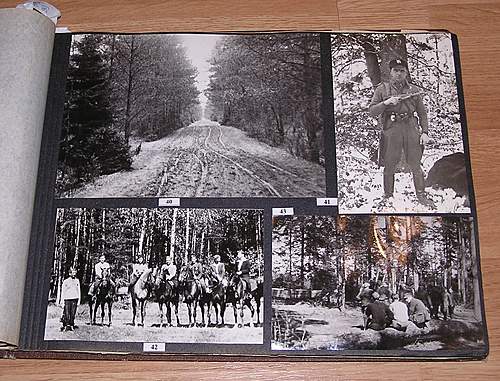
(89, 145)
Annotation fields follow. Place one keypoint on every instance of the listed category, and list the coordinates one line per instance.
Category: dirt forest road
(206, 159)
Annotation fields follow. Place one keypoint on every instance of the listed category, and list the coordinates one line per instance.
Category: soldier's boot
(388, 184)
(419, 183)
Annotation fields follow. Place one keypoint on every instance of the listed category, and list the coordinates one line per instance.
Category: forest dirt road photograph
(208, 159)
(193, 116)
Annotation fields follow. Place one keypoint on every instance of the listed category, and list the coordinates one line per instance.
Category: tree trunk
(59, 254)
(372, 65)
(290, 225)
(463, 267)
(302, 252)
(311, 120)
(475, 272)
(186, 241)
(77, 242)
(172, 234)
(131, 60)
(142, 238)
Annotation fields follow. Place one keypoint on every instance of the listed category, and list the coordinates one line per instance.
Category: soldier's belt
(394, 116)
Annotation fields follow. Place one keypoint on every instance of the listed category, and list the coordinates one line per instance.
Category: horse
(205, 298)
(105, 293)
(218, 298)
(139, 292)
(166, 293)
(241, 297)
(191, 291)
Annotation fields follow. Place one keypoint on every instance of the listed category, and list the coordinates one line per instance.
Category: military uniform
(244, 266)
(169, 271)
(101, 271)
(401, 129)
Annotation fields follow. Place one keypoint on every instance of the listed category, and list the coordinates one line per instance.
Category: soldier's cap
(398, 62)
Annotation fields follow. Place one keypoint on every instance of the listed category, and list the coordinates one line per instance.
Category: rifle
(408, 96)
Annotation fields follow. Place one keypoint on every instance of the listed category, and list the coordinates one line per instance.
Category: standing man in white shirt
(71, 296)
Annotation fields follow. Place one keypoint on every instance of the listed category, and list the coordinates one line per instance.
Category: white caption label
(153, 347)
(169, 202)
(326, 201)
(282, 211)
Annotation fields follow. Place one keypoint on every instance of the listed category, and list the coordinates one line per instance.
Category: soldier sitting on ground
(400, 312)
(417, 311)
(377, 315)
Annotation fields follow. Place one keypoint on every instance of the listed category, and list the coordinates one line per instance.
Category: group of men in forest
(382, 309)
(71, 291)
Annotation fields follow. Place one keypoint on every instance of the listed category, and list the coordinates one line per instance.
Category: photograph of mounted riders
(157, 275)
(193, 116)
(404, 283)
(399, 138)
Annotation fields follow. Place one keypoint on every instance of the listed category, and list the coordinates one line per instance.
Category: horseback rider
(243, 266)
(138, 269)
(198, 275)
(219, 269)
(169, 270)
(102, 270)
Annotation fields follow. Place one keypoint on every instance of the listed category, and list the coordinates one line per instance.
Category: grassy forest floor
(307, 327)
(206, 159)
(361, 186)
(122, 330)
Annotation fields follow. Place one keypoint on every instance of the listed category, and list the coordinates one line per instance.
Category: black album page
(284, 194)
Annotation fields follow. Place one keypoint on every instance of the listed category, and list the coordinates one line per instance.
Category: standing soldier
(395, 104)
(71, 296)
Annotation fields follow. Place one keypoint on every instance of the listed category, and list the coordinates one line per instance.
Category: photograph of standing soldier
(395, 103)
(71, 295)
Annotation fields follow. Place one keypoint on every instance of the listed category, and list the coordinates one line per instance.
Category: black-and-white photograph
(398, 128)
(194, 116)
(376, 283)
(157, 275)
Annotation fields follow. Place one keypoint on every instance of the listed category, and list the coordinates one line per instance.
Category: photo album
(283, 195)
